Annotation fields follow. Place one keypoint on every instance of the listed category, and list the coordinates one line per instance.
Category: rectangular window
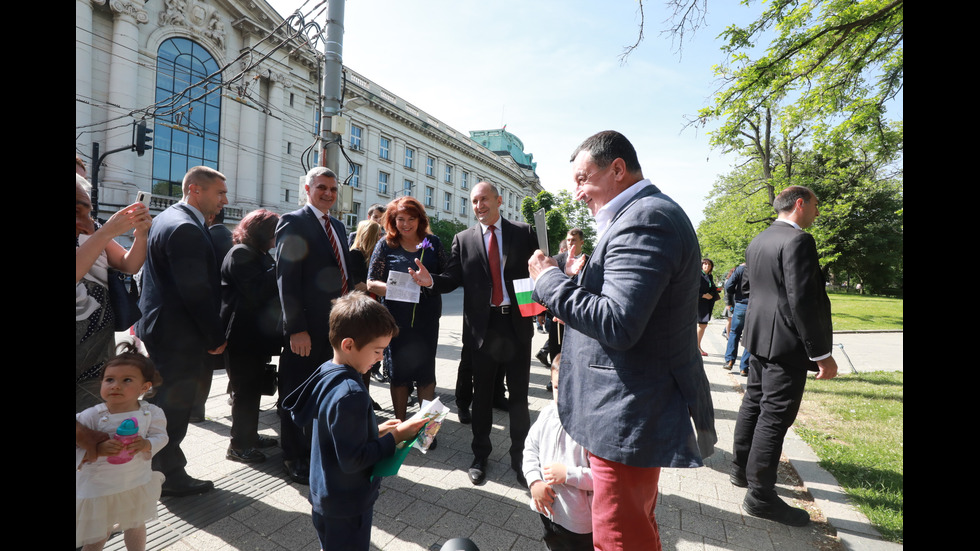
(355, 137)
(355, 172)
(462, 206)
(430, 167)
(447, 203)
(449, 174)
(351, 218)
(407, 187)
(382, 183)
(429, 191)
(462, 179)
(383, 148)
(409, 158)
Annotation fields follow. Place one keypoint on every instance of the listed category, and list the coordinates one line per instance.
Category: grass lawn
(854, 423)
(857, 312)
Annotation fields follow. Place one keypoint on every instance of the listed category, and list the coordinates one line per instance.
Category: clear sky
(550, 71)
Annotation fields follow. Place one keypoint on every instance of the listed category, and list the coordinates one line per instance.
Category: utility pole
(333, 51)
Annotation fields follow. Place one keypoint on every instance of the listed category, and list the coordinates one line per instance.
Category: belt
(503, 309)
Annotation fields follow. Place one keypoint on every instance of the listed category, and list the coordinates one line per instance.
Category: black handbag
(269, 381)
(124, 300)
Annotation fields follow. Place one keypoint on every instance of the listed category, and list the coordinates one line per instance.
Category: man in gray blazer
(632, 375)
(788, 332)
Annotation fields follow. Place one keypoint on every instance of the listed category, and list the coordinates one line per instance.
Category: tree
(860, 230)
(835, 64)
(554, 219)
(731, 215)
(445, 230)
(578, 215)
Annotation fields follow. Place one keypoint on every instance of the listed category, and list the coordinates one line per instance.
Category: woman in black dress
(706, 299)
(413, 351)
(253, 319)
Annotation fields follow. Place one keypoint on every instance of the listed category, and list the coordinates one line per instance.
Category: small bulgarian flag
(523, 288)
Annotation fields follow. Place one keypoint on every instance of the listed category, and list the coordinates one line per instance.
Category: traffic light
(144, 136)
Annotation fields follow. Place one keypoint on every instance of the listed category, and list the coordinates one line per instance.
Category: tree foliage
(562, 213)
(860, 230)
(445, 230)
(553, 218)
(833, 64)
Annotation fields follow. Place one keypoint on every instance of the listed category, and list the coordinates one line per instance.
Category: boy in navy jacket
(347, 441)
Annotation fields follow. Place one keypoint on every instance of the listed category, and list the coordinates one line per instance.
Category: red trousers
(622, 506)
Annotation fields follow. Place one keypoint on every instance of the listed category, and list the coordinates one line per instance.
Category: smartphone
(144, 197)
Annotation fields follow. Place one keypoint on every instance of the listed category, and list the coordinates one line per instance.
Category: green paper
(389, 465)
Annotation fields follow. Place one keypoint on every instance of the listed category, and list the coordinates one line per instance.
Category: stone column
(246, 186)
(83, 78)
(123, 96)
(272, 171)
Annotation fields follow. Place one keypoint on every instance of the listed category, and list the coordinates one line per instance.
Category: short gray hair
(319, 171)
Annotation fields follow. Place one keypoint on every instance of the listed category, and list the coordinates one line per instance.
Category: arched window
(188, 116)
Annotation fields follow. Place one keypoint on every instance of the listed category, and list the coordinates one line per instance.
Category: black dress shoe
(737, 477)
(298, 472)
(478, 471)
(518, 468)
(265, 442)
(542, 357)
(181, 484)
(464, 415)
(775, 509)
(248, 455)
(502, 404)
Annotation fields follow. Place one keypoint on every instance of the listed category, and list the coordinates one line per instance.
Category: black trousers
(772, 400)
(293, 371)
(464, 380)
(185, 374)
(502, 351)
(245, 373)
(559, 538)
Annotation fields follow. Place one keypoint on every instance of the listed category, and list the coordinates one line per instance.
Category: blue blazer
(181, 286)
(631, 373)
(307, 272)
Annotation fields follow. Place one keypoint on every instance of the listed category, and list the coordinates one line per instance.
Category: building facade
(226, 84)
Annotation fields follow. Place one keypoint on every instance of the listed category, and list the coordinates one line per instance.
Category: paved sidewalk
(432, 500)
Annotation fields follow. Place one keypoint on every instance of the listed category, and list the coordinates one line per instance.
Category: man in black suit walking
(788, 332)
(181, 296)
(485, 260)
(312, 262)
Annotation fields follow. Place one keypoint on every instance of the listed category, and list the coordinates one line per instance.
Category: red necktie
(497, 295)
(336, 254)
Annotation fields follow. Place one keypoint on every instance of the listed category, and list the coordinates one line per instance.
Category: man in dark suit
(788, 332)
(311, 270)
(181, 296)
(485, 260)
(632, 377)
